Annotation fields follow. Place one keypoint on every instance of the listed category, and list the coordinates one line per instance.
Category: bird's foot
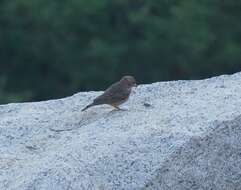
(119, 109)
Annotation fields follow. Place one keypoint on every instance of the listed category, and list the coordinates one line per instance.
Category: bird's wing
(115, 93)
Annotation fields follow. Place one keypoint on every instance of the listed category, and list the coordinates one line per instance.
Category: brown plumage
(116, 94)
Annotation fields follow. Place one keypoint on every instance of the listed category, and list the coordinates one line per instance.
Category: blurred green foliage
(51, 49)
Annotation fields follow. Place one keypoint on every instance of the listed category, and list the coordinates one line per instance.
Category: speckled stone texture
(177, 135)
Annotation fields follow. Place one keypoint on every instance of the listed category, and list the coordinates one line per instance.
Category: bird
(117, 94)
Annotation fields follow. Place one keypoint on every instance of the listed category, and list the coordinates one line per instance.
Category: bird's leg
(118, 109)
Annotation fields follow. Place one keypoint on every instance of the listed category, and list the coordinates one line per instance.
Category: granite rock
(174, 136)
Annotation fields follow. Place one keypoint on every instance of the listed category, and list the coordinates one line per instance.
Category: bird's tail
(87, 107)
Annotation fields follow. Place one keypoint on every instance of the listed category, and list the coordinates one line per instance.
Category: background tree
(51, 49)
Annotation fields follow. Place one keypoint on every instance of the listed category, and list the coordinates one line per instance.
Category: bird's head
(129, 81)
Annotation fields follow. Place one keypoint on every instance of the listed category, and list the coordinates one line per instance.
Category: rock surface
(175, 136)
